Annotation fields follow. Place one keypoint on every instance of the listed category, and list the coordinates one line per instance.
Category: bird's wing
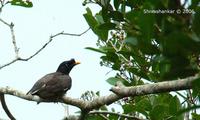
(53, 82)
(60, 83)
(41, 83)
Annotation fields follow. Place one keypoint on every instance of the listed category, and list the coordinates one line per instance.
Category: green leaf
(140, 105)
(139, 73)
(195, 107)
(107, 26)
(195, 116)
(145, 47)
(96, 49)
(99, 18)
(105, 3)
(123, 6)
(116, 4)
(131, 40)
(22, 3)
(165, 3)
(89, 12)
(93, 117)
(92, 22)
(159, 112)
(195, 88)
(105, 14)
(116, 15)
(196, 23)
(174, 105)
(133, 16)
(103, 108)
(143, 106)
(128, 108)
(146, 23)
(194, 4)
(194, 37)
(165, 106)
(182, 44)
(113, 80)
(113, 117)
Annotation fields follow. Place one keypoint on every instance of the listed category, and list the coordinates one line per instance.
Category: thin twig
(191, 99)
(50, 40)
(2, 4)
(4, 22)
(9, 63)
(16, 49)
(70, 34)
(113, 113)
(18, 58)
(37, 52)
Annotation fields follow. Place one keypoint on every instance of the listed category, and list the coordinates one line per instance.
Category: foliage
(21, 3)
(142, 46)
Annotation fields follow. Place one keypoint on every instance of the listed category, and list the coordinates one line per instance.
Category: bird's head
(66, 66)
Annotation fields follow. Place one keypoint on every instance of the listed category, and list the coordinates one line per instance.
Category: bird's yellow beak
(77, 62)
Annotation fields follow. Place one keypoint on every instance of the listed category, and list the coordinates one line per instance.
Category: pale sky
(33, 26)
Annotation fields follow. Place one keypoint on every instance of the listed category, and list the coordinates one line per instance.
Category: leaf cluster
(144, 47)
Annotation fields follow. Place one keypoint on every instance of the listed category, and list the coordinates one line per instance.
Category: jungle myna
(54, 85)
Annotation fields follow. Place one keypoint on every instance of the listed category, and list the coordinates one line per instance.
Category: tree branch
(159, 87)
(121, 92)
(18, 58)
(3, 103)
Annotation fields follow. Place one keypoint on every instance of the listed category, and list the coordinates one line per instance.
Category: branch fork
(119, 91)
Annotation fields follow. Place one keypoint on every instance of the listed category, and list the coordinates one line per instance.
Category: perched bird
(54, 85)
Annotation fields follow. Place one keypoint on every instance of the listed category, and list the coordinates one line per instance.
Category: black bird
(54, 85)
